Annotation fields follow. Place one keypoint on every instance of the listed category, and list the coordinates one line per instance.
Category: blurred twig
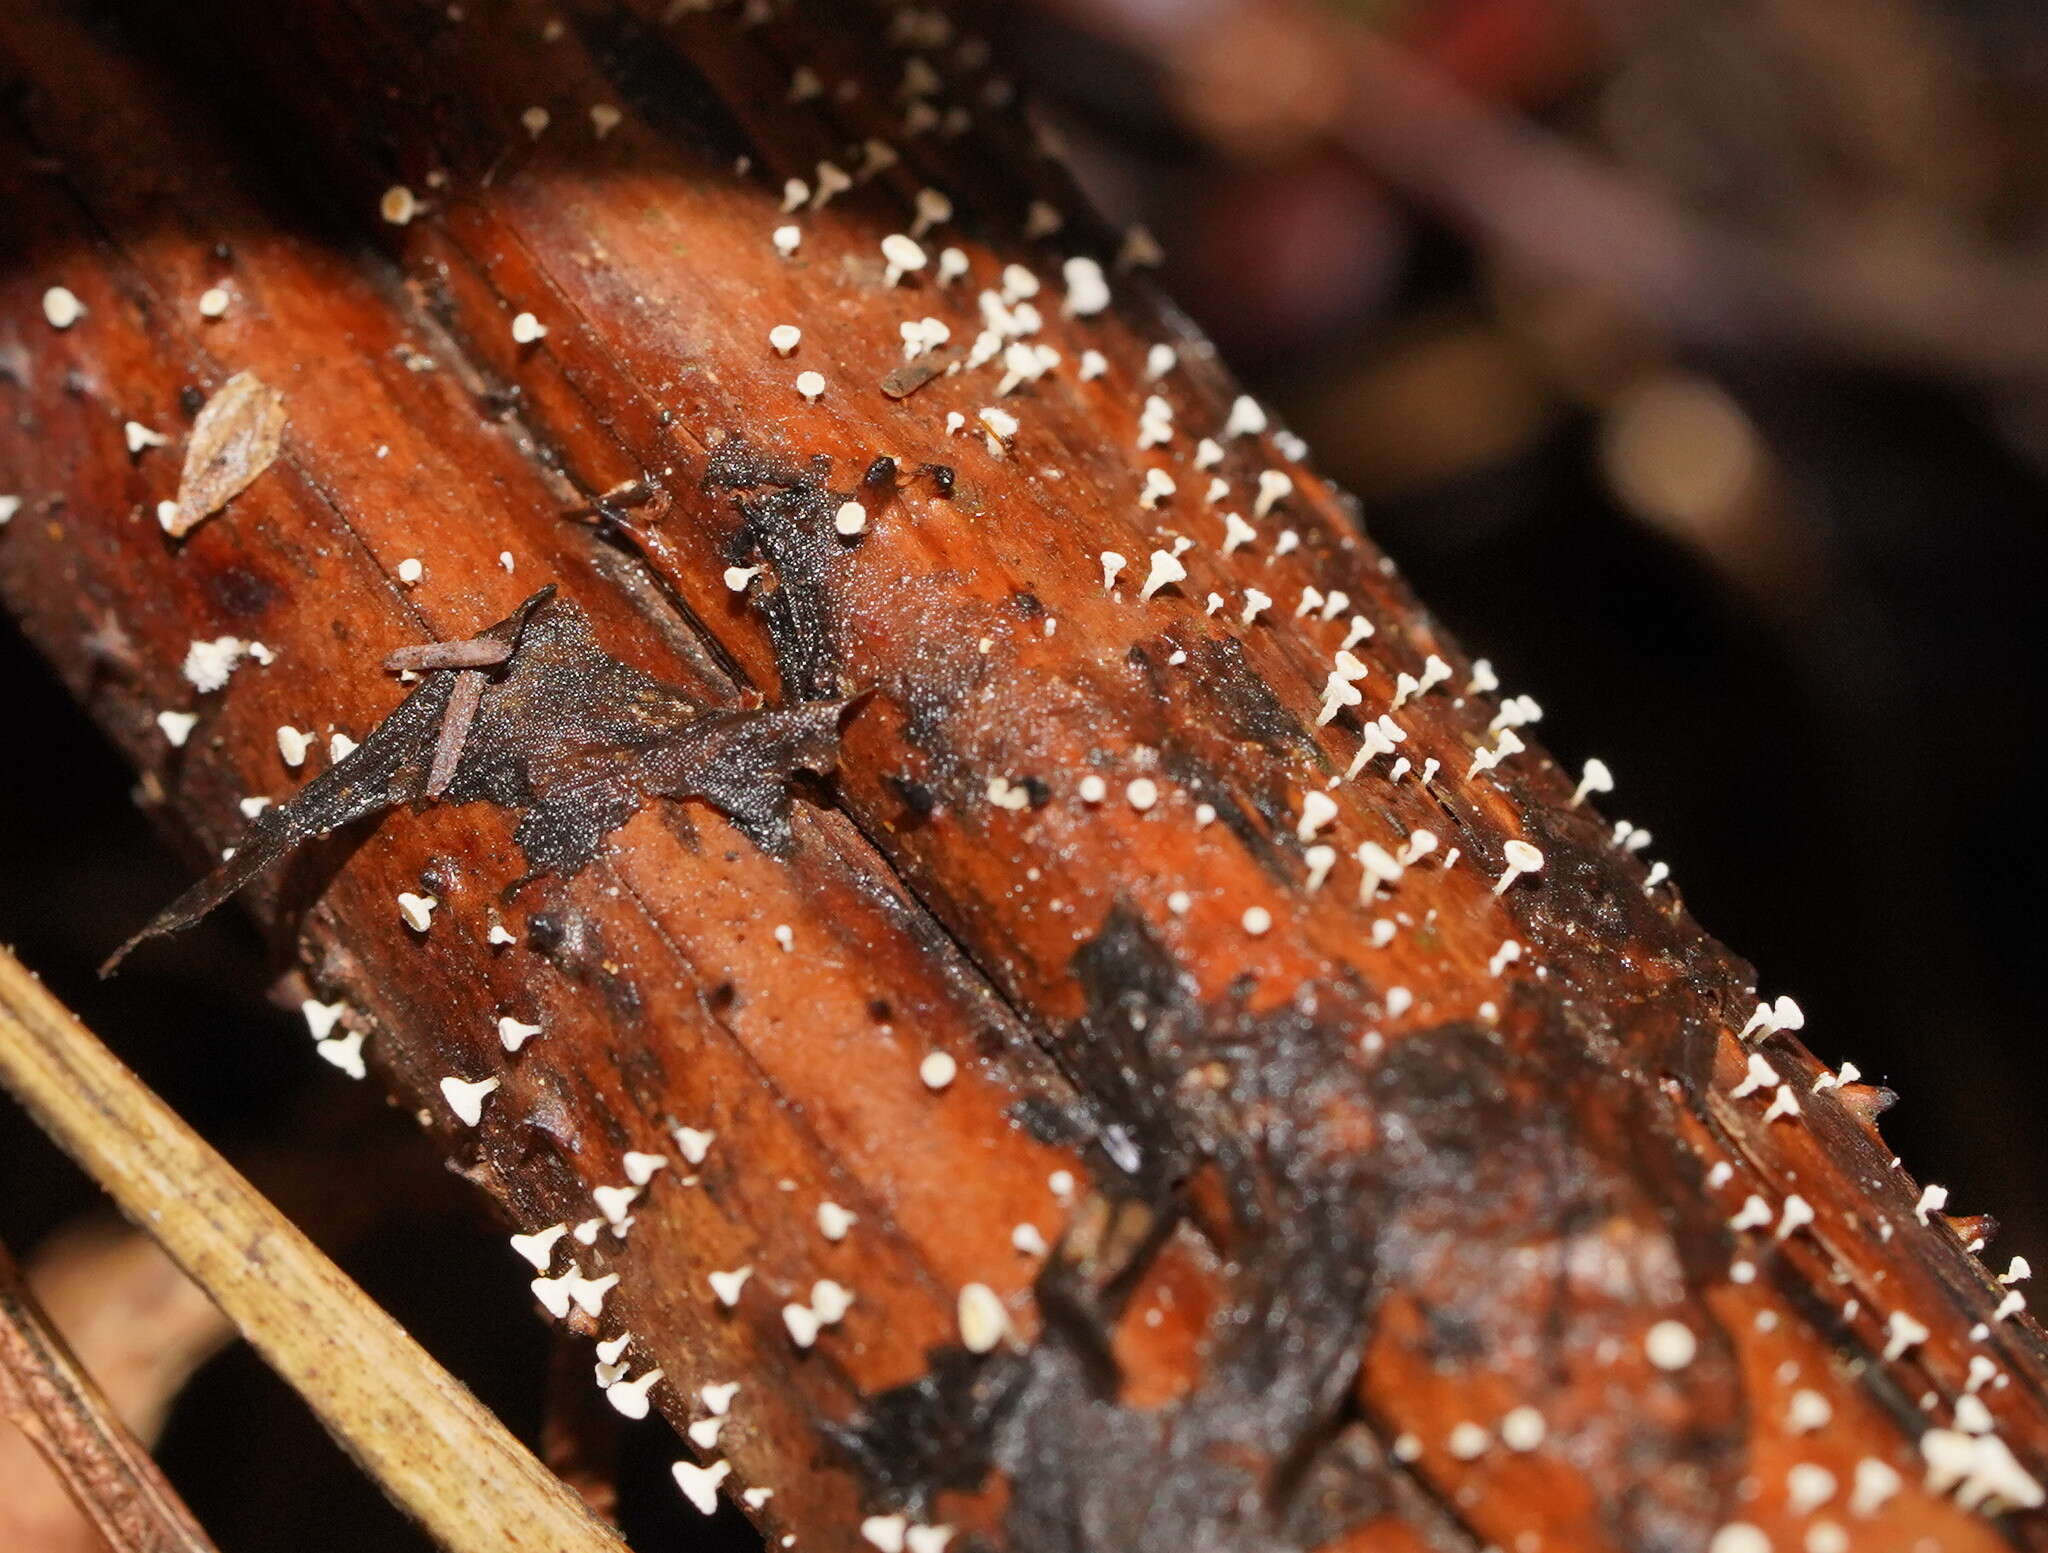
(430, 1444)
(49, 1396)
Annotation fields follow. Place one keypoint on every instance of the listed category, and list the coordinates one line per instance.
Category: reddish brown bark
(1354, 1186)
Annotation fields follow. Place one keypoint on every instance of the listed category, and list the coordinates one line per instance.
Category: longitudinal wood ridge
(1195, 1075)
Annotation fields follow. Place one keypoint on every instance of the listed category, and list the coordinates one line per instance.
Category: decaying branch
(1195, 1076)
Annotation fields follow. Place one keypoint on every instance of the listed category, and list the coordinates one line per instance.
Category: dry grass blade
(430, 1445)
(49, 1396)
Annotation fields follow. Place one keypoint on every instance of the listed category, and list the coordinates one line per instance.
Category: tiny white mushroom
(717, 1398)
(1246, 419)
(937, 1070)
(1139, 250)
(1596, 778)
(1876, 1484)
(589, 1293)
(526, 329)
(1113, 563)
(1670, 1345)
(1317, 810)
(1042, 220)
(293, 745)
(1807, 1411)
(1165, 570)
(398, 206)
(850, 519)
(1522, 1429)
(1468, 1441)
(693, 1143)
(1521, 859)
(802, 1324)
(321, 1018)
(514, 1033)
(177, 727)
(983, 1320)
(727, 1284)
(553, 1293)
(642, 1167)
(811, 385)
(1901, 1333)
(830, 1301)
(345, 1051)
(1320, 859)
(903, 255)
(62, 308)
(785, 338)
(466, 1099)
(1087, 289)
(417, 910)
(1275, 485)
(539, 1247)
(834, 1221)
(630, 1396)
(604, 118)
(700, 1484)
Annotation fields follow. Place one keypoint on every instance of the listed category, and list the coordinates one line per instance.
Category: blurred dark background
(1684, 356)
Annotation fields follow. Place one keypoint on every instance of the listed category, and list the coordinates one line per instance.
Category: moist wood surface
(1377, 1236)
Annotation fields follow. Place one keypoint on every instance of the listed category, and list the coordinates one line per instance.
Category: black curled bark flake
(1469, 1170)
(533, 715)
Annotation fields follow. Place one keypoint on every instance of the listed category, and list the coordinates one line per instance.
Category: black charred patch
(1423, 1173)
(574, 738)
(786, 522)
(1239, 697)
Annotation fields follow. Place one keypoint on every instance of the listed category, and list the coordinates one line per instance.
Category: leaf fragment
(235, 438)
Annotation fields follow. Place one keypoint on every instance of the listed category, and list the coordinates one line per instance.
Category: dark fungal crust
(1418, 1178)
(533, 716)
(786, 521)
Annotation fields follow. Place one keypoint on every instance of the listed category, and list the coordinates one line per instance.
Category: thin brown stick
(431, 1446)
(47, 1394)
